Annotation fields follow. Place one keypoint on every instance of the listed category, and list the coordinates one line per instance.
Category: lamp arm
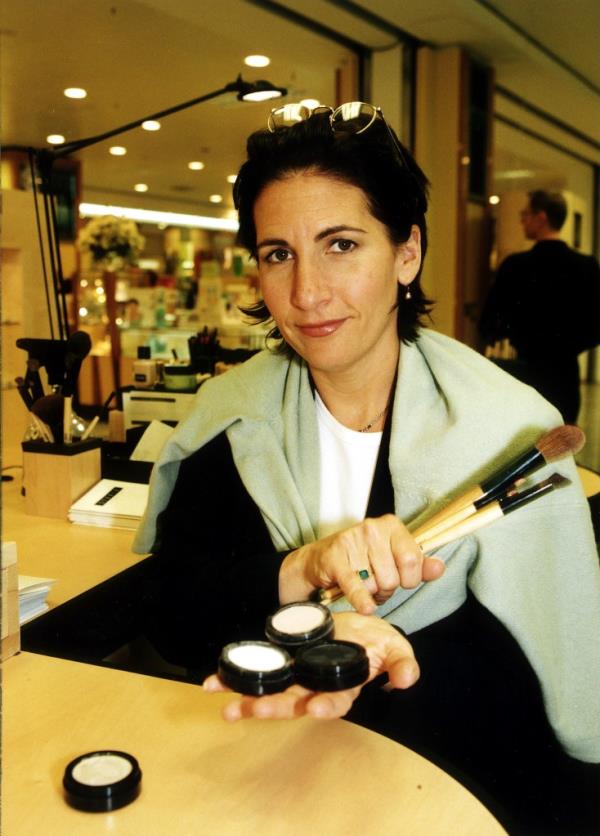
(78, 144)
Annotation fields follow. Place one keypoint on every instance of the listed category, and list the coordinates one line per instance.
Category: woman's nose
(310, 286)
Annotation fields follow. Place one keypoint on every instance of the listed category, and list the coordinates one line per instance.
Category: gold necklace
(374, 420)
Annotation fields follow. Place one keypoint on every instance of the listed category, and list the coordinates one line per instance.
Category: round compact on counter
(255, 668)
(179, 376)
(331, 666)
(99, 782)
(299, 625)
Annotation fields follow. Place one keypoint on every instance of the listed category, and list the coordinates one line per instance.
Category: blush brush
(556, 444)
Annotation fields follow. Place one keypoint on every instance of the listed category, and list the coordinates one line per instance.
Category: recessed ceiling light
(117, 150)
(75, 93)
(310, 103)
(151, 125)
(55, 139)
(494, 199)
(216, 198)
(196, 165)
(231, 178)
(141, 187)
(257, 61)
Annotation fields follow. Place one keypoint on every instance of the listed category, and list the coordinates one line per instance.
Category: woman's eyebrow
(332, 230)
(272, 242)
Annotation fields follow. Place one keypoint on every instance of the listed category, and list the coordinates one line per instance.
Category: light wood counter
(79, 557)
(202, 775)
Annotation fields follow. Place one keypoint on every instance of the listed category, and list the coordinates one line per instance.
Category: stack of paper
(111, 504)
(32, 596)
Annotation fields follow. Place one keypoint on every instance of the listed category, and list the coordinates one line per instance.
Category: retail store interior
(124, 291)
(535, 122)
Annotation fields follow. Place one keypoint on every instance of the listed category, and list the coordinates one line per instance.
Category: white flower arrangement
(112, 242)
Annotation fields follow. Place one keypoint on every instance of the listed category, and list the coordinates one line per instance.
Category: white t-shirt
(348, 460)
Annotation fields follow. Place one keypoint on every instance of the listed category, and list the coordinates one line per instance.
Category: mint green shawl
(456, 419)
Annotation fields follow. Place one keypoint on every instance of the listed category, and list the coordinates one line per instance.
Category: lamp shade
(261, 92)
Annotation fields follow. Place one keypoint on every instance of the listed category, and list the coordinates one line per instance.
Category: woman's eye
(277, 256)
(342, 245)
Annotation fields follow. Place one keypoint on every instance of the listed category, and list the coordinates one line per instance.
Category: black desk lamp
(45, 158)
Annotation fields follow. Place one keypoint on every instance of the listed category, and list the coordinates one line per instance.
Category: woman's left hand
(387, 649)
(381, 545)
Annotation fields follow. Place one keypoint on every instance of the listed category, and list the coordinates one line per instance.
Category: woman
(303, 466)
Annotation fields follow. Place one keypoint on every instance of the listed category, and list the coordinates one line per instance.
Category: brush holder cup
(55, 475)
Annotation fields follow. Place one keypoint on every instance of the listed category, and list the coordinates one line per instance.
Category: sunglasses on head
(351, 117)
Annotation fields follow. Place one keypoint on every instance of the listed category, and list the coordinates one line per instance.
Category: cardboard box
(11, 633)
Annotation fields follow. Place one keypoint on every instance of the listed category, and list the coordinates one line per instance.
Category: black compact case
(101, 794)
(299, 625)
(331, 666)
(245, 675)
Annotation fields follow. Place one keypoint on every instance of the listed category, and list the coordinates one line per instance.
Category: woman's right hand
(382, 545)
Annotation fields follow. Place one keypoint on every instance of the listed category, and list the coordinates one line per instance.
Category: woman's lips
(321, 329)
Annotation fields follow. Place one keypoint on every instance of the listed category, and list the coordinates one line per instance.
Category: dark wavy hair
(396, 192)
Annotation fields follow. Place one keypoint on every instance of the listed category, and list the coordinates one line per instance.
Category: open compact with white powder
(299, 625)
(303, 632)
(255, 668)
(99, 782)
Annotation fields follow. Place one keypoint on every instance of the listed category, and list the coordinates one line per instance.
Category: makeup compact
(99, 782)
(255, 668)
(331, 666)
(299, 625)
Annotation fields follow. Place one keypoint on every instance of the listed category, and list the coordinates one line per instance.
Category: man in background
(546, 302)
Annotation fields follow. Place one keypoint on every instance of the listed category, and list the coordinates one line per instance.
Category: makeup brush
(44, 431)
(67, 430)
(554, 445)
(50, 409)
(491, 512)
(24, 392)
(90, 428)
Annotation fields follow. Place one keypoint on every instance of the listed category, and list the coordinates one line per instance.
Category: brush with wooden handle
(491, 512)
(554, 445)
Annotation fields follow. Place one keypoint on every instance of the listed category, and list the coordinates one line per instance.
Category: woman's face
(329, 273)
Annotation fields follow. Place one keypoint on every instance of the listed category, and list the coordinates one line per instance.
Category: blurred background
(494, 98)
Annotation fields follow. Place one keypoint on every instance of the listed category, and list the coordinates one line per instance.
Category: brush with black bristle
(556, 444)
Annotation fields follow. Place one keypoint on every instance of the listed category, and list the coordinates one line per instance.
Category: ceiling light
(216, 198)
(231, 178)
(151, 125)
(310, 103)
(257, 61)
(196, 165)
(75, 93)
(141, 187)
(494, 199)
(55, 139)
(152, 216)
(117, 150)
